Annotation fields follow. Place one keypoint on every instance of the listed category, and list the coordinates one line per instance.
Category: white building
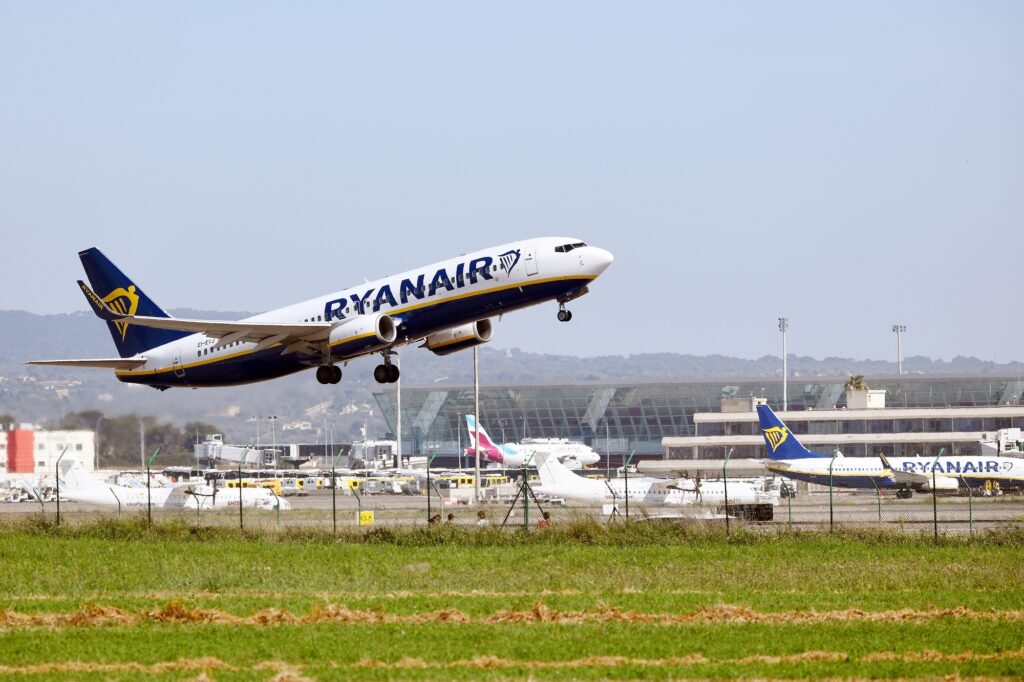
(26, 450)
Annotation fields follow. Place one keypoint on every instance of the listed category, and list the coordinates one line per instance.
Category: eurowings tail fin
(116, 291)
(781, 442)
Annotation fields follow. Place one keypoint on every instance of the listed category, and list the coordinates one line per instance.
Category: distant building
(28, 451)
(622, 417)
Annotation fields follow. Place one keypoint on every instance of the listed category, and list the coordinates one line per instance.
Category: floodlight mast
(784, 327)
(899, 329)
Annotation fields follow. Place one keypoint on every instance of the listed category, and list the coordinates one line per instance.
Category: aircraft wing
(226, 331)
(904, 477)
(105, 363)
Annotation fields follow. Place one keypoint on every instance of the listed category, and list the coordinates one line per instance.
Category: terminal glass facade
(621, 418)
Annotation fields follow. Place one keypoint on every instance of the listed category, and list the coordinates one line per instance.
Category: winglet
(99, 307)
(885, 462)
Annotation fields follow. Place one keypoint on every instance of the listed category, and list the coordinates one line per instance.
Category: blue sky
(847, 166)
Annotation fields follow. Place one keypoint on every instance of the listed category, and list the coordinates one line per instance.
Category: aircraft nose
(599, 259)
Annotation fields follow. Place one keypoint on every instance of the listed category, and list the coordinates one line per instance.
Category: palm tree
(856, 383)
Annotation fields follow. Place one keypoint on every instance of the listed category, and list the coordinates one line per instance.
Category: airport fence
(340, 501)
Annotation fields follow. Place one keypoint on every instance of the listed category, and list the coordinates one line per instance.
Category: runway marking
(179, 612)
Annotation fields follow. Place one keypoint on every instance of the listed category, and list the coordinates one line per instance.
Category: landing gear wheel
(380, 374)
(335, 374)
(564, 315)
(324, 374)
(393, 373)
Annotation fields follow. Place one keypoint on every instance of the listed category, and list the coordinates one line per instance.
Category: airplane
(447, 306)
(789, 458)
(513, 455)
(556, 480)
(81, 486)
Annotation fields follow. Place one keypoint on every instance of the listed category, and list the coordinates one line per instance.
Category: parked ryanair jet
(446, 305)
(788, 457)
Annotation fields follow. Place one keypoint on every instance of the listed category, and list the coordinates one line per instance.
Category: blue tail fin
(781, 442)
(122, 295)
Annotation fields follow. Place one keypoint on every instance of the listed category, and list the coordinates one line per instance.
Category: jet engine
(941, 483)
(458, 338)
(362, 333)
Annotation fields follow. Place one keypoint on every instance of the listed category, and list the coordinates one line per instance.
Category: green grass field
(118, 601)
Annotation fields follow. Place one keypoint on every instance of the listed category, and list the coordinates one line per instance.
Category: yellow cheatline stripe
(399, 311)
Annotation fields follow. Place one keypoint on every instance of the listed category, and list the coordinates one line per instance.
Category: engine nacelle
(941, 483)
(363, 333)
(459, 338)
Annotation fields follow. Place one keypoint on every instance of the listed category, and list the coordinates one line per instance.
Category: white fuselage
(424, 301)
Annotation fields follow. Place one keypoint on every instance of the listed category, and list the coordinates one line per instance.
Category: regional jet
(81, 486)
(515, 455)
(447, 306)
(558, 481)
(788, 457)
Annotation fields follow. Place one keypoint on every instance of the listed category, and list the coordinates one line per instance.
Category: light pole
(273, 428)
(96, 457)
(784, 327)
(458, 433)
(899, 329)
(142, 443)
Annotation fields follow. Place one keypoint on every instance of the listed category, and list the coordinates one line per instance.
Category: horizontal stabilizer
(264, 334)
(105, 363)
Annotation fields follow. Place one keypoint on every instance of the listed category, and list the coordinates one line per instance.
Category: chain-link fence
(338, 500)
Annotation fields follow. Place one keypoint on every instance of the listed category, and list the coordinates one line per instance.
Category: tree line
(118, 437)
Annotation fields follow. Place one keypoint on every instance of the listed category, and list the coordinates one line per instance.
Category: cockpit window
(566, 248)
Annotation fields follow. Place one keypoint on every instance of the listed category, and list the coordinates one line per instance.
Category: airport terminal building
(650, 418)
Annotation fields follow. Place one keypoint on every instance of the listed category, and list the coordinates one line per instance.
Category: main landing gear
(328, 374)
(386, 373)
(563, 314)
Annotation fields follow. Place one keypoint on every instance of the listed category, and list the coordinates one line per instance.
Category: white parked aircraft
(513, 455)
(78, 485)
(788, 457)
(558, 481)
(446, 305)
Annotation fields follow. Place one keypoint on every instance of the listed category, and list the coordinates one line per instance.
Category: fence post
(56, 475)
(725, 486)
(625, 472)
(149, 494)
(970, 507)
(830, 509)
(789, 508)
(240, 522)
(878, 496)
(334, 498)
(935, 499)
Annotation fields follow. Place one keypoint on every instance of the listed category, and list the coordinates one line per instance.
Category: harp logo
(509, 259)
(776, 436)
(124, 301)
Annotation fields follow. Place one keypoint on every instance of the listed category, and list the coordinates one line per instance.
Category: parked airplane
(447, 305)
(788, 457)
(558, 481)
(81, 486)
(513, 455)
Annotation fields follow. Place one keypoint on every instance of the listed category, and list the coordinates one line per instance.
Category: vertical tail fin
(122, 295)
(553, 473)
(781, 442)
(488, 449)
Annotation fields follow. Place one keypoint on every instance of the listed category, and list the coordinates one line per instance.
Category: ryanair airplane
(446, 305)
(788, 457)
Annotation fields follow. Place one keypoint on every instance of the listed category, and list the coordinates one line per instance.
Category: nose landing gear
(563, 314)
(328, 374)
